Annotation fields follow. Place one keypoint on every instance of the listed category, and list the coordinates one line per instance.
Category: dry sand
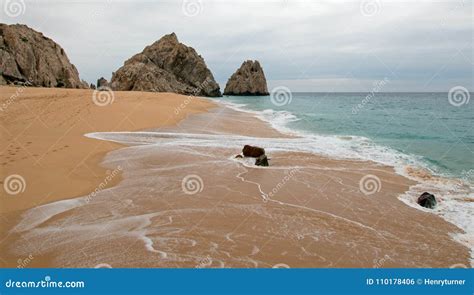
(42, 138)
(313, 216)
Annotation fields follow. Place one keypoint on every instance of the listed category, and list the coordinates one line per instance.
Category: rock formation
(102, 82)
(427, 200)
(166, 66)
(252, 151)
(30, 58)
(249, 79)
(262, 161)
(255, 152)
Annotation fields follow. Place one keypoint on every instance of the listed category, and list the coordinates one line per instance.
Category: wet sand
(186, 205)
(42, 132)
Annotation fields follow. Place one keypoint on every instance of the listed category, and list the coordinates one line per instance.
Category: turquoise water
(424, 126)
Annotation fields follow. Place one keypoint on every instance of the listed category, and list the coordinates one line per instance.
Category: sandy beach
(305, 210)
(43, 140)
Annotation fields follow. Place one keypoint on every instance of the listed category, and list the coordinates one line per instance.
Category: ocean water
(147, 207)
(422, 128)
(423, 133)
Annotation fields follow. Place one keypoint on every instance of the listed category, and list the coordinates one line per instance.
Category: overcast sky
(304, 45)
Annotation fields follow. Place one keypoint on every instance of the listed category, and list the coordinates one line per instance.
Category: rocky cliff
(29, 57)
(166, 66)
(249, 79)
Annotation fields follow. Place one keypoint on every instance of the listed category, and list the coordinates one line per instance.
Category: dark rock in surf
(427, 200)
(249, 79)
(28, 58)
(253, 151)
(238, 157)
(262, 161)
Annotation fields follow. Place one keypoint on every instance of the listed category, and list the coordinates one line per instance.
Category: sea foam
(455, 196)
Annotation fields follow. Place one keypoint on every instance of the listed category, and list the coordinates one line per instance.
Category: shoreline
(43, 130)
(450, 191)
(227, 123)
(92, 118)
(417, 175)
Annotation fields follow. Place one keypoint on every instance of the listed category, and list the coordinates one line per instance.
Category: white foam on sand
(455, 198)
(38, 215)
(454, 204)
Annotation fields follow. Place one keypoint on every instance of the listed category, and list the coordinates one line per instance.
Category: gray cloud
(305, 45)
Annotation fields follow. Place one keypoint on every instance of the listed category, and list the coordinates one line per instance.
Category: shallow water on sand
(185, 201)
(425, 126)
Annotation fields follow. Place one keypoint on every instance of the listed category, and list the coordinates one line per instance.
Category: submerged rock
(252, 151)
(28, 57)
(427, 200)
(249, 79)
(166, 66)
(262, 161)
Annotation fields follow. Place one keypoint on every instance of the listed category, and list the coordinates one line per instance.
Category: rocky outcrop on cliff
(166, 66)
(249, 79)
(102, 82)
(30, 58)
